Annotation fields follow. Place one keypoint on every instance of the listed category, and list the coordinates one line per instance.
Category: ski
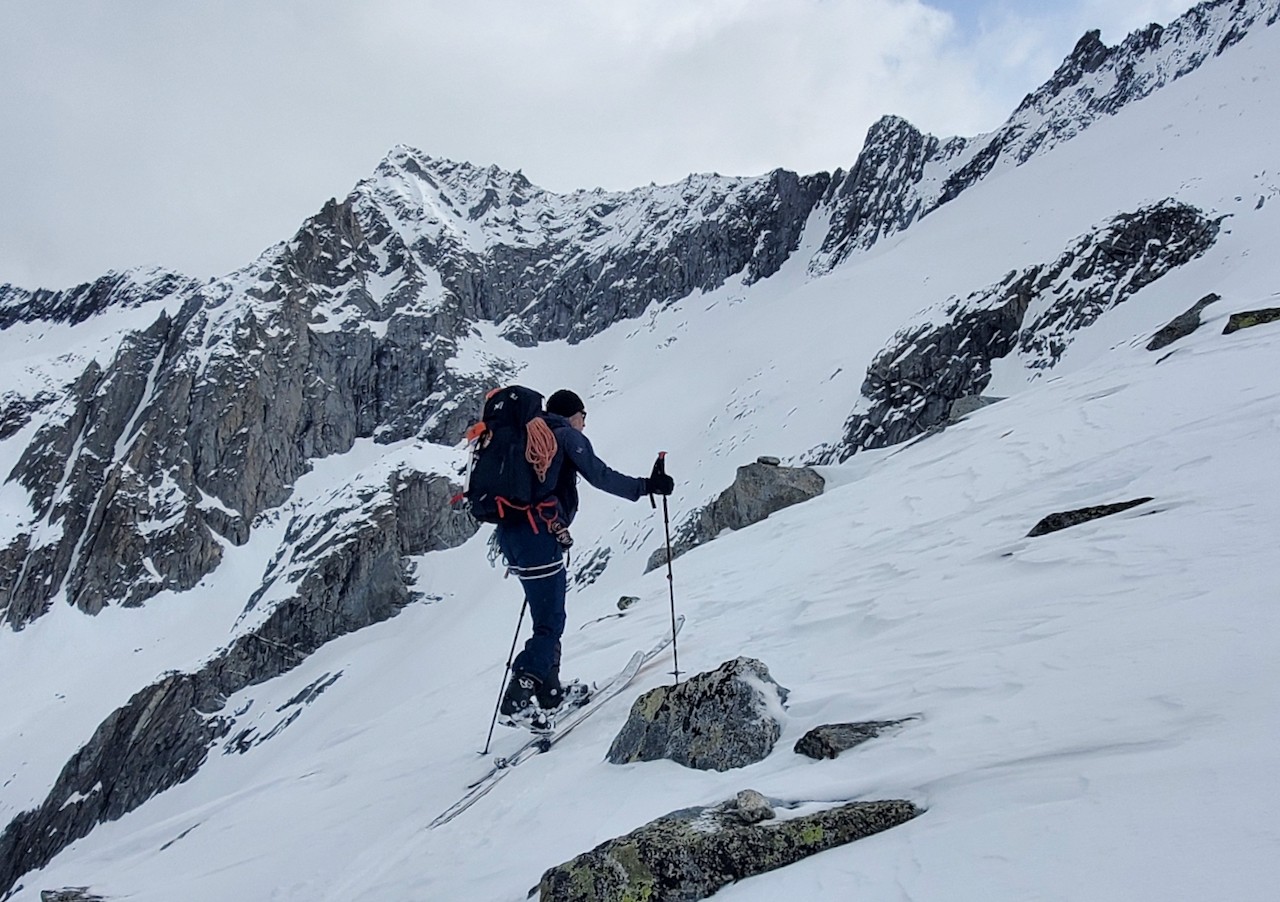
(544, 742)
(599, 694)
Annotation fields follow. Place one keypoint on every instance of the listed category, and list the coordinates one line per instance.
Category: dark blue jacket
(574, 455)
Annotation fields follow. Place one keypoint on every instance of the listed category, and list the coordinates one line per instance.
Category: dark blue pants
(538, 561)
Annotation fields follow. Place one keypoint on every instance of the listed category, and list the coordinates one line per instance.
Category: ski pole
(660, 468)
(503, 688)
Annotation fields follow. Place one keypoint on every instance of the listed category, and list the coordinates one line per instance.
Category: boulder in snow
(829, 740)
(70, 894)
(759, 489)
(1182, 325)
(1250, 318)
(692, 853)
(728, 718)
(1055, 522)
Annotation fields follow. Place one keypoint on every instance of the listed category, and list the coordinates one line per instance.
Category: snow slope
(1097, 708)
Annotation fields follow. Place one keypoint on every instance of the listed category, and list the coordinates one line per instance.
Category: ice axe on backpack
(660, 469)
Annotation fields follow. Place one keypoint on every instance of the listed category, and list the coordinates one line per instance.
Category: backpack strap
(546, 511)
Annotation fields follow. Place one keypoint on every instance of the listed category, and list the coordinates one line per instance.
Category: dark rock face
(159, 729)
(1182, 325)
(1251, 318)
(879, 196)
(206, 419)
(829, 740)
(16, 411)
(545, 256)
(1066, 519)
(912, 384)
(758, 490)
(1131, 252)
(720, 720)
(331, 580)
(690, 854)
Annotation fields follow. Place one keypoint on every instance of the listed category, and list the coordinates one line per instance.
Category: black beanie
(565, 403)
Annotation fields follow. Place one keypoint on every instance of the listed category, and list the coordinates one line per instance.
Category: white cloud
(193, 136)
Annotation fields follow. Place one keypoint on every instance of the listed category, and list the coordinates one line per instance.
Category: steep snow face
(1076, 693)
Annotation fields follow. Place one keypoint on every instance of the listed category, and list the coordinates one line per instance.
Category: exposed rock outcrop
(759, 489)
(1066, 519)
(1182, 325)
(1251, 318)
(342, 570)
(71, 894)
(727, 718)
(829, 740)
(690, 854)
(946, 356)
(206, 419)
(881, 194)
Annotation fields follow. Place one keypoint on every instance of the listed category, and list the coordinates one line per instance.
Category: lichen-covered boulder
(1251, 318)
(690, 854)
(728, 718)
(829, 740)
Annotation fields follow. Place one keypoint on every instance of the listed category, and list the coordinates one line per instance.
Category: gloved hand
(659, 484)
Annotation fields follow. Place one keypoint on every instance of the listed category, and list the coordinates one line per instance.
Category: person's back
(537, 556)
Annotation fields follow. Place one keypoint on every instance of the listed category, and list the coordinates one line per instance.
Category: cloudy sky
(193, 135)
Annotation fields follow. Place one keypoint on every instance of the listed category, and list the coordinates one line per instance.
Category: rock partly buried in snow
(1182, 325)
(1055, 522)
(1251, 318)
(728, 718)
(690, 854)
(70, 894)
(759, 489)
(829, 740)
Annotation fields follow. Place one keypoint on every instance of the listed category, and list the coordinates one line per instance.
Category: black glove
(659, 484)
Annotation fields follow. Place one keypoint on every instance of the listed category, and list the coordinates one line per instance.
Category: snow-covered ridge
(120, 290)
(1096, 80)
(483, 208)
(903, 175)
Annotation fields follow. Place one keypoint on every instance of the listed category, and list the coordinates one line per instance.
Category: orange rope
(541, 447)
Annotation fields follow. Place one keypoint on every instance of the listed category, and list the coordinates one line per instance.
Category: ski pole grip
(659, 469)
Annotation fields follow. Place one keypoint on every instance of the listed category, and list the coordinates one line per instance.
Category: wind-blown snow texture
(1095, 709)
